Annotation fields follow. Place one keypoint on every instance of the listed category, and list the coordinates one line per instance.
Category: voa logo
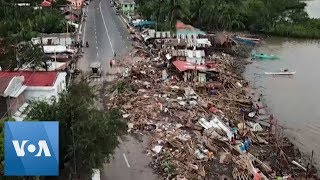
(41, 148)
(31, 148)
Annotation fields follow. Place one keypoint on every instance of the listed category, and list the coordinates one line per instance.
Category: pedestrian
(233, 138)
(111, 63)
(235, 132)
(257, 108)
(260, 98)
(271, 121)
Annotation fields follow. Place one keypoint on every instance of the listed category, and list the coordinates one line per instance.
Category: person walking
(111, 63)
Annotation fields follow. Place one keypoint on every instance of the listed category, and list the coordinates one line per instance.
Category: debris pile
(199, 130)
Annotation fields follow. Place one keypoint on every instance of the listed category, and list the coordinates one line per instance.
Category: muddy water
(295, 101)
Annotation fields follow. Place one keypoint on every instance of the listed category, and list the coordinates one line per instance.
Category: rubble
(198, 129)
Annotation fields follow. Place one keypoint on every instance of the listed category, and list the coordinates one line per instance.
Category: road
(107, 34)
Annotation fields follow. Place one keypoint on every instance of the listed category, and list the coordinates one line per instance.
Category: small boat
(246, 41)
(264, 56)
(284, 72)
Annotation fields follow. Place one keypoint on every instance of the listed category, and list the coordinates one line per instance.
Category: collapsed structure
(206, 122)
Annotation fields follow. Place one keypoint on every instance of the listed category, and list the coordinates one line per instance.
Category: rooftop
(32, 78)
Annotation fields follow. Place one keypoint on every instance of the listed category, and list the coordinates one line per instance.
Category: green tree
(2, 177)
(87, 136)
(279, 17)
(29, 54)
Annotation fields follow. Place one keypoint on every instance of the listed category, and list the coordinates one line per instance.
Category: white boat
(280, 73)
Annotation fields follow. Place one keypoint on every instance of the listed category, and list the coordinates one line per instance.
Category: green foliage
(307, 29)
(28, 53)
(280, 17)
(22, 23)
(87, 136)
(2, 149)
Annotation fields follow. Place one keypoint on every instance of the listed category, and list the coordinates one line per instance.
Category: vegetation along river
(295, 101)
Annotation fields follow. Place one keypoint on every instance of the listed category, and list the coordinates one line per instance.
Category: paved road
(129, 162)
(106, 33)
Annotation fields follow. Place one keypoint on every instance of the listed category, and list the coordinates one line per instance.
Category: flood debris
(204, 119)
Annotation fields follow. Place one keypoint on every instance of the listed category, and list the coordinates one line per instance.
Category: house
(222, 41)
(127, 6)
(72, 14)
(40, 85)
(153, 34)
(64, 39)
(11, 96)
(46, 3)
(184, 31)
(19, 88)
(76, 4)
(191, 56)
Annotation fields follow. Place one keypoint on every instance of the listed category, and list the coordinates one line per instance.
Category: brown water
(295, 100)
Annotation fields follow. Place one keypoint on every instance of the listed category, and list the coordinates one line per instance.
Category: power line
(23, 68)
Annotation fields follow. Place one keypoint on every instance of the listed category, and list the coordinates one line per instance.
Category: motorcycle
(87, 44)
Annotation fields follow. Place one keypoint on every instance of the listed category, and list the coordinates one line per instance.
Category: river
(295, 101)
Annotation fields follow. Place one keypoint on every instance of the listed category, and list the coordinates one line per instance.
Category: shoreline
(304, 146)
(148, 86)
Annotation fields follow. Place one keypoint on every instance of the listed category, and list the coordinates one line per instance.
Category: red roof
(46, 3)
(184, 65)
(180, 25)
(33, 78)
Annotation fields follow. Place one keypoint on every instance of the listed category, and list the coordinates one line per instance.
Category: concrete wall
(11, 104)
(16, 103)
(45, 93)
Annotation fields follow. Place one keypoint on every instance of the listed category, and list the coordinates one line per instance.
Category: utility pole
(43, 54)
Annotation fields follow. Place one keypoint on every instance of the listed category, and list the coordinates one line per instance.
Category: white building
(19, 88)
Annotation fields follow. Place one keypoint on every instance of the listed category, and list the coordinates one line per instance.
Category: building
(64, 39)
(184, 31)
(11, 96)
(127, 6)
(76, 4)
(19, 88)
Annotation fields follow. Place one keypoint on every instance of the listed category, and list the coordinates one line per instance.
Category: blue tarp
(143, 23)
(245, 41)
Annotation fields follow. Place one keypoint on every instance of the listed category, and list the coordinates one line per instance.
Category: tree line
(19, 24)
(276, 17)
(22, 23)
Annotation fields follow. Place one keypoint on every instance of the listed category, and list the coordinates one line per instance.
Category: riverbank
(293, 100)
(190, 122)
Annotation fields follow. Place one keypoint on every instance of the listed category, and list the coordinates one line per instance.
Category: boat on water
(264, 56)
(246, 41)
(282, 72)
